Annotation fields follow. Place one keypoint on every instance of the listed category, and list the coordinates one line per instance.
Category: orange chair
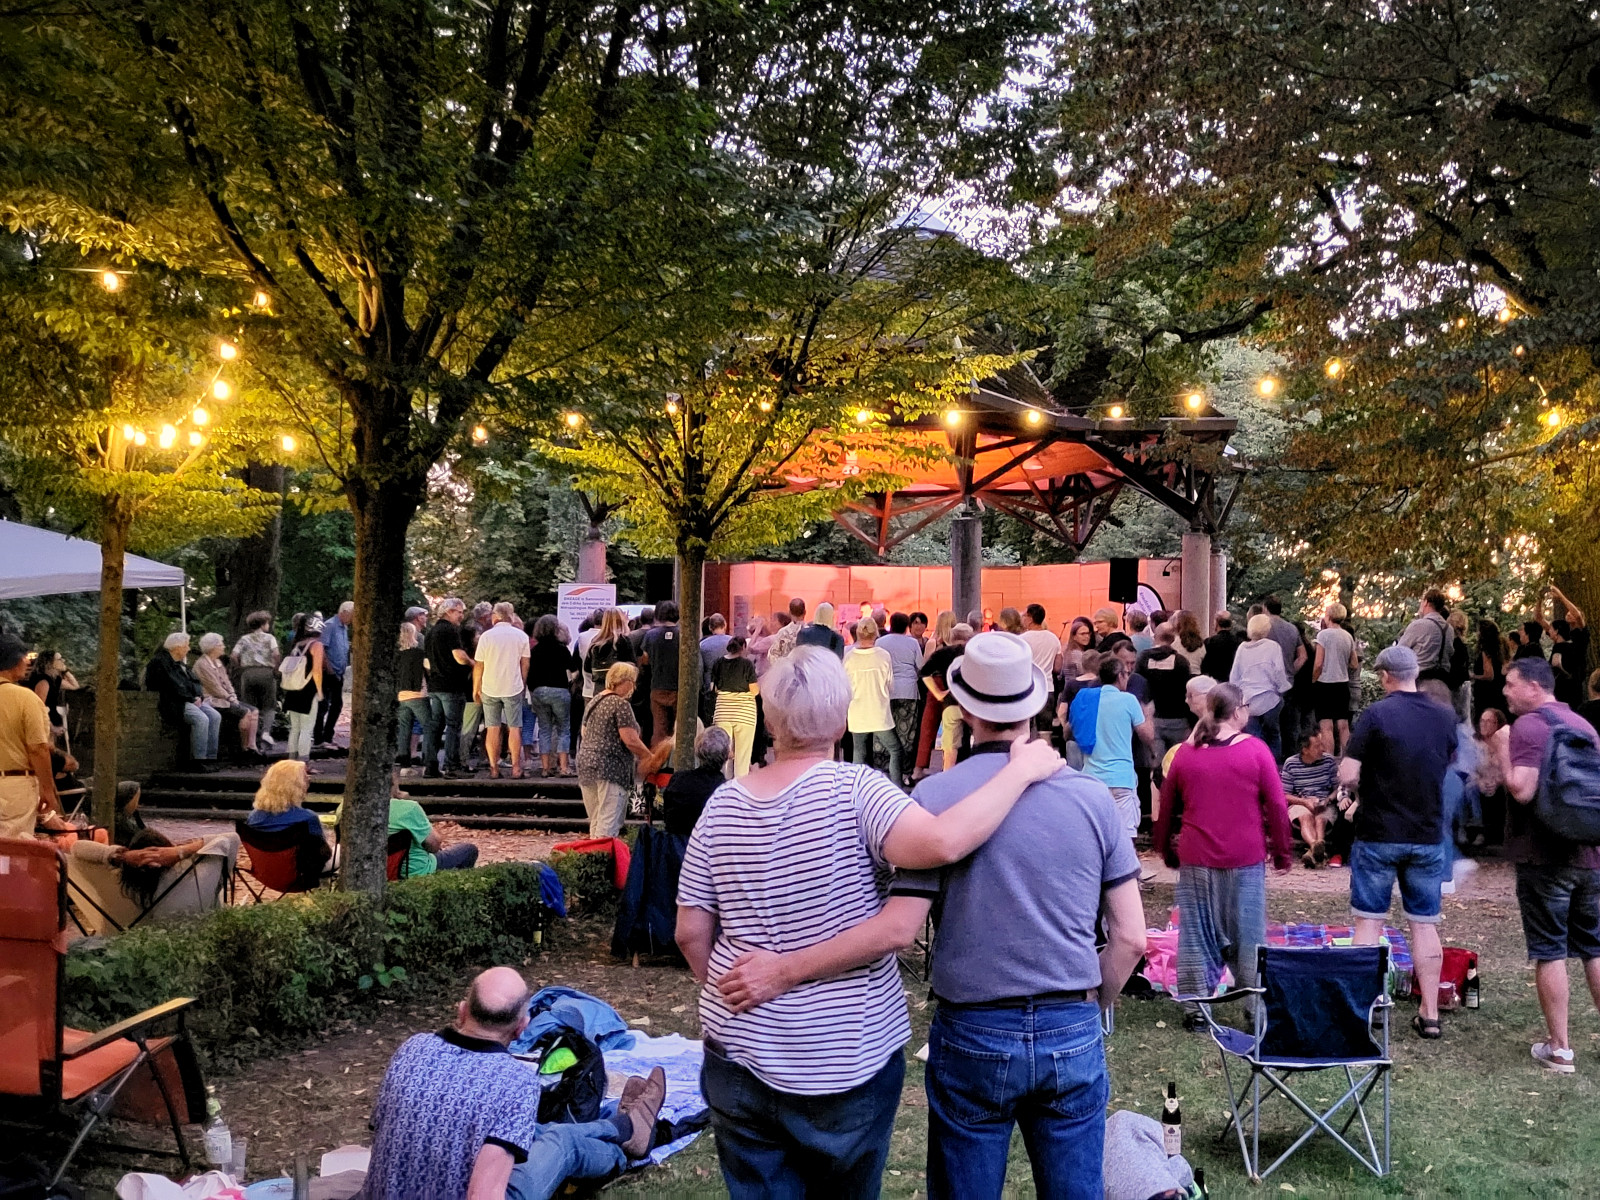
(283, 860)
(48, 1070)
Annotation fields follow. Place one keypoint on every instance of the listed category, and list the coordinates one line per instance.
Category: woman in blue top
(280, 806)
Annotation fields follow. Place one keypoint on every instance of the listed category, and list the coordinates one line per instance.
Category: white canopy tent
(37, 562)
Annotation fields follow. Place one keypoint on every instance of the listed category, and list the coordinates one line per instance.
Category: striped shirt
(1314, 781)
(783, 874)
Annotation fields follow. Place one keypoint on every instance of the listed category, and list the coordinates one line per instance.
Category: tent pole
(183, 606)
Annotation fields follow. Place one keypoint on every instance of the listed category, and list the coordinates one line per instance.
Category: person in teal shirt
(1111, 762)
(428, 853)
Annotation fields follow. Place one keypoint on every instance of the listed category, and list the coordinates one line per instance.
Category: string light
(195, 438)
(1195, 401)
(1267, 385)
(288, 443)
(765, 406)
(1553, 418)
(128, 433)
(1116, 412)
(110, 280)
(201, 417)
(227, 351)
(139, 438)
(952, 417)
(169, 435)
(262, 300)
(480, 434)
(1506, 314)
(574, 420)
(1461, 322)
(863, 415)
(672, 408)
(1334, 368)
(1034, 416)
(221, 389)
(1519, 351)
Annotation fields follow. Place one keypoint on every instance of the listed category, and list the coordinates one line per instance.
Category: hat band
(989, 697)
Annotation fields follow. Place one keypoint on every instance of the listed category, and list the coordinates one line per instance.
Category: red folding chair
(399, 865)
(50, 1073)
(284, 860)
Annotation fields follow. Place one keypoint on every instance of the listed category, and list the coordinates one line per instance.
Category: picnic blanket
(680, 1058)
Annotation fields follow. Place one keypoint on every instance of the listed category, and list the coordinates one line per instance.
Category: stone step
(549, 824)
(238, 803)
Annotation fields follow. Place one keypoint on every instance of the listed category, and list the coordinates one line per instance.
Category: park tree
(445, 204)
(1404, 201)
(126, 413)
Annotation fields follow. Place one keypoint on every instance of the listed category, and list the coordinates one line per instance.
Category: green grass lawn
(1473, 1114)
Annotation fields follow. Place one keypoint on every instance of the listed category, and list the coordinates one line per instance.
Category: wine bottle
(1171, 1123)
(1469, 994)
(1200, 1184)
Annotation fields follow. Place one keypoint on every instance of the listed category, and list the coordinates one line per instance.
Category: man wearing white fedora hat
(1015, 971)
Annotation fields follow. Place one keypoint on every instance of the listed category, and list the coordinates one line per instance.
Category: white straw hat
(996, 680)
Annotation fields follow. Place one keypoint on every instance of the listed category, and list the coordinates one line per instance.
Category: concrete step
(551, 824)
(447, 805)
(243, 782)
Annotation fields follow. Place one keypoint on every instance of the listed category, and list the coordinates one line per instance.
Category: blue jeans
(205, 728)
(421, 711)
(553, 707)
(447, 707)
(779, 1146)
(1265, 725)
(456, 858)
(1039, 1066)
(563, 1152)
(1421, 870)
(889, 740)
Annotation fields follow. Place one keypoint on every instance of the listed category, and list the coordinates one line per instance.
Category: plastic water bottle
(219, 1144)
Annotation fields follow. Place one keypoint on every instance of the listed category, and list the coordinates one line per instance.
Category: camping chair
(280, 859)
(99, 905)
(1316, 1011)
(399, 849)
(49, 1071)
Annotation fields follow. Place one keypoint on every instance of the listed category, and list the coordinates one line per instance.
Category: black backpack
(1568, 800)
(575, 1096)
(602, 656)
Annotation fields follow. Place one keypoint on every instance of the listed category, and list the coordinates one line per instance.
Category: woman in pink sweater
(1226, 788)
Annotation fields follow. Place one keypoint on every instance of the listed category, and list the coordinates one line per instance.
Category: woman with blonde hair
(279, 807)
(607, 751)
(1259, 675)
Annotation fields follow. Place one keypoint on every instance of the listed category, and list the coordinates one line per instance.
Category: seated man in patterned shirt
(1310, 779)
(457, 1116)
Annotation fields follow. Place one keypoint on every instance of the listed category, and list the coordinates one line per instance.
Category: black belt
(24, 771)
(1078, 997)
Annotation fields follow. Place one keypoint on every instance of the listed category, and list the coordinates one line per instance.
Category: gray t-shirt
(906, 657)
(1288, 639)
(1336, 645)
(1018, 914)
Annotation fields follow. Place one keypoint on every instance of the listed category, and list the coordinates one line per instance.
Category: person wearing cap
(27, 784)
(1398, 754)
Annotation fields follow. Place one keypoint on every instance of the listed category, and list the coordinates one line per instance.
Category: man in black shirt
(1220, 649)
(449, 679)
(661, 654)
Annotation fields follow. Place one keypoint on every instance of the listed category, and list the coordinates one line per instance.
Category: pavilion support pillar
(1219, 587)
(966, 563)
(1196, 594)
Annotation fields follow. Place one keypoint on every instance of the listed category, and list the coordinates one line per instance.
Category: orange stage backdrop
(742, 590)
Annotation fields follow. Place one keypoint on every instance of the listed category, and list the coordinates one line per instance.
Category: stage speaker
(1124, 580)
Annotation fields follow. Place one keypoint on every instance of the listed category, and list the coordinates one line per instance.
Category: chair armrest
(1237, 993)
(114, 1033)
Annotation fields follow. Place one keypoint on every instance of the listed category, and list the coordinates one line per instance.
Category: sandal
(1428, 1030)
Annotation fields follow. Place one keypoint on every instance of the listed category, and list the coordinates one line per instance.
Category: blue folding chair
(1318, 1009)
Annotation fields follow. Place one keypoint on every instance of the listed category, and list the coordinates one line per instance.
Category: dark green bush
(587, 880)
(289, 968)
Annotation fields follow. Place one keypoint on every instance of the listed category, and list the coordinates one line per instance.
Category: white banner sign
(575, 601)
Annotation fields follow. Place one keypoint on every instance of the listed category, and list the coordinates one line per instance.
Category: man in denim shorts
(1558, 882)
(1397, 757)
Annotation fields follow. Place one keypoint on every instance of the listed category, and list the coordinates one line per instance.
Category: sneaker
(1560, 1061)
(642, 1102)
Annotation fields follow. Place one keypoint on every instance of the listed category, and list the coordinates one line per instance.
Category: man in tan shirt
(26, 781)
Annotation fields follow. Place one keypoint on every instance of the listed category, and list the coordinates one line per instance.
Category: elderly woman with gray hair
(686, 793)
(804, 1030)
(218, 691)
(178, 700)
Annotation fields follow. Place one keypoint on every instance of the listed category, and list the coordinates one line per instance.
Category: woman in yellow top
(870, 671)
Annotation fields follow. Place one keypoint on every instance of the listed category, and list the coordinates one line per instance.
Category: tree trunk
(255, 564)
(691, 598)
(116, 523)
(385, 491)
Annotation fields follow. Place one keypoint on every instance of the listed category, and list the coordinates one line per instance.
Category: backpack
(1568, 801)
(1083, 714)
(572, 1097)
(601, 658)
(295, 671)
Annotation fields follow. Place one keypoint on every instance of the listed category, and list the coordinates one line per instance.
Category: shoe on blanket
(641, 1101)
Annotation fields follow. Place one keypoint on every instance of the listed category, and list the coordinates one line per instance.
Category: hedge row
(289, 968)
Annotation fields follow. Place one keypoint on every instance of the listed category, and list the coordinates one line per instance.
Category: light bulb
(1267, 386)
(221, 389)
(1116, 412)
(128, 432)
(1195, 401)
(195, 438)
(863, 416)
(262, 300)
(227, 351)
(1506, 314)
(1553, 418)
(1461, 322)
(288, 443)
(1034, 416)
(574, 420)
(765, 406)
(110, 280)
(169, 435)
(200, 417)
(139, 438)
(952, 417)
(672, 408)
(1334, 368)
(480, 434)
(1519, 351)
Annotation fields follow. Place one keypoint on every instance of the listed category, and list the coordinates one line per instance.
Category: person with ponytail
(1225, 787)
